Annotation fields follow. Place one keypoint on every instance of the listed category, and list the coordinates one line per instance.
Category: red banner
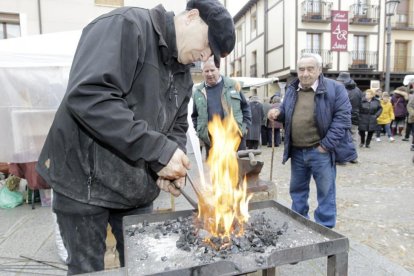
(339, 31)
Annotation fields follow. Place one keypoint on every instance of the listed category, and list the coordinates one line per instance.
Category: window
(239, 34)
(111, 3)
(232, 74)
(359, 53)
(253, 66)
(401, 56)
(9, 25)
(253, 23)
(361, 7)
(401, 16)
(313, 42)
(313, 7)
(238, 68)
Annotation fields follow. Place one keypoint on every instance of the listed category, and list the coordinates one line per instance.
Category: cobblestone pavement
(374, 197)
(375, 211)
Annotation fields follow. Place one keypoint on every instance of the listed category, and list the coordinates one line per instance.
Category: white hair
(316, 57)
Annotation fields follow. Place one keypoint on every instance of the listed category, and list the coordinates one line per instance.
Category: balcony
(403, 21)
(316, 11)
(363, 14)
(363, 60)
(325, 54)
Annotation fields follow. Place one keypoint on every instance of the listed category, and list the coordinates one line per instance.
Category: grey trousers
(84, 227)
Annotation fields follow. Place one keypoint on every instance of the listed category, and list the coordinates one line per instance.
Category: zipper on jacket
(89, 187)
(172, 90)
(93, 166)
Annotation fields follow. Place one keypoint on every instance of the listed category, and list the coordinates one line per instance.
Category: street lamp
(390, 7)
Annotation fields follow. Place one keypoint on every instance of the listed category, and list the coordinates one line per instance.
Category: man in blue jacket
(119, 134)
(317, 115)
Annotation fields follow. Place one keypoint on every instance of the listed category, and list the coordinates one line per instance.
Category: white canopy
(255, 82)
(34, 72)
(408, 79)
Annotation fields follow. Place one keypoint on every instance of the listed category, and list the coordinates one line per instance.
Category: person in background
(409, 126)
(274, 126)
(263, 134)
(386, 117)
(369, 111)
(119, 135)
(253, 135)
(378, 93)
(316, 113)
(410, 118)
(355, 97)
(399, 102)
(217, 95)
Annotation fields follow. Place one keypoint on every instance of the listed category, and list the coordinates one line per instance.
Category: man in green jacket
(217, 95)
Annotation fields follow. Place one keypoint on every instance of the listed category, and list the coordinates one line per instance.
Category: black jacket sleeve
(99, 82)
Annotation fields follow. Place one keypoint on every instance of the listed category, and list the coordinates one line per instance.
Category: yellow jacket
(387, 114)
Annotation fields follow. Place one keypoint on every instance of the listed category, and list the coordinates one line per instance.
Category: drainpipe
(39, 12)
(266, 39)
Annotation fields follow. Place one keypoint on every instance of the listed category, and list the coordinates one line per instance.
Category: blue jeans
(311, 162)
(387, 128)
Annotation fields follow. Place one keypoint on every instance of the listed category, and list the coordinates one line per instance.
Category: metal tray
(303, 240)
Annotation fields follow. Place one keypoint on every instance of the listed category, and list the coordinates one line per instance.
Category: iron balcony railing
(363, 14)
(402, 64)
(316, 11)
(325, 54)
(363, 60)
(403, 21)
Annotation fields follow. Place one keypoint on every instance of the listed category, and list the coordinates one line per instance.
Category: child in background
(386, 117)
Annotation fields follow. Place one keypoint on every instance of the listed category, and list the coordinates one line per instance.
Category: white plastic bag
(61, 250)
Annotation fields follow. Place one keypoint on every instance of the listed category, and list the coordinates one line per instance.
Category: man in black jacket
(355, 98)
(119, 134)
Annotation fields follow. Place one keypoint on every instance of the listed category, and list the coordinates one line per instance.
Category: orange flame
(224, 209)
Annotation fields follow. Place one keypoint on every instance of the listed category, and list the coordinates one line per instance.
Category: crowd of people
(374, 113)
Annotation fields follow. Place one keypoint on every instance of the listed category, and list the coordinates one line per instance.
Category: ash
(259, 234)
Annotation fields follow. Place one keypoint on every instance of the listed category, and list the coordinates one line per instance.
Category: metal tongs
(187, 196)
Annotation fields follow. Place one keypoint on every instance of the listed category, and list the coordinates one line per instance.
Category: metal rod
(273, 152)
(189, 199)
(388, 58)
(190, 179)
(43, 262)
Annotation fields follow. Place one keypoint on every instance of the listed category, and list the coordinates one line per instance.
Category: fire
(224, 209)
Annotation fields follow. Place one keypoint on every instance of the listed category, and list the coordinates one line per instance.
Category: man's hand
(273, 113)
(173, 187)
(321, 149)
(177, 166)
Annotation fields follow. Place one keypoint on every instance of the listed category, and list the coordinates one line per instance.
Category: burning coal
(259, 234)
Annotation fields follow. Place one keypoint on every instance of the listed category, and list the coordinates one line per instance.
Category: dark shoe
(405, 139)
(355, 161)
(341, 163)
(367, 146)
(361, 145)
